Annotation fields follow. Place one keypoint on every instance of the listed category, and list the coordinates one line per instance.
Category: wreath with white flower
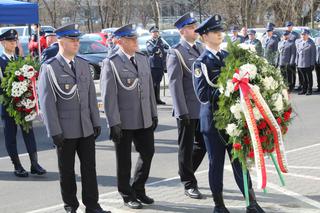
(254, 109)
(19, 91)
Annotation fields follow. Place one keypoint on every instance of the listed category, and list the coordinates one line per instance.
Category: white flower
(278, 103)
(232, 130)
(229, 88)
(31, 116)
(269, 83)
(236, 110)
(249, 47)
(285, 95)
(17, 73)
(250, 68)
(257, 114)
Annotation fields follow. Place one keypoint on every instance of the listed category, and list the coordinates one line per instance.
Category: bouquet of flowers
(254, 110)
(19, 91)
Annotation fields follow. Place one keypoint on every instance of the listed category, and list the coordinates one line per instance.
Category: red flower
(36, 75)
(290, 110)
(245, 125)
(246, 140)
(31, 97)
(30, 69)
(28, 110)
(286, 116)
(237, 146)
(279, 120)
(20, 109)
(236, 70)
(263, 139)
(21, 78)
(268, 132)
(251, 154)
(262, 125)
(16, 99)
(270, 150)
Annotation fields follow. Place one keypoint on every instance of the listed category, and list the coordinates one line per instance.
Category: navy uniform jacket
(156, 49)
(50, 52)
(257, 44)
(287, 53)
(306, 54)
(3, 64)
(294, 36)
(206, 93)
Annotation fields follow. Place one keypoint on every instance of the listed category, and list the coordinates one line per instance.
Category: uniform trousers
(10, 133)
(191, 151)
(216, 147)
(307, 79)
(85, 149)
(143, 140)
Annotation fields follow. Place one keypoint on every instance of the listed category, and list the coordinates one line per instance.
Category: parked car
(94, 52)
(171, 36)
(99, 37)
(109, 30)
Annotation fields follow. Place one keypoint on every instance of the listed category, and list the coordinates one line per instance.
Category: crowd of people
(130, 89)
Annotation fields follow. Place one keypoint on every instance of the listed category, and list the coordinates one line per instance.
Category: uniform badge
(197, 72)
(67, 86)
(129, 81)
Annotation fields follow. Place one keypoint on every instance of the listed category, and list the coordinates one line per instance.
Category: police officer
(253, 41)
(270, 45)
(53, 47)
(305, 60)
(235, 35)
(131, 110)
(295, 37)
(9, 42)
(286, 58)
(157, 49)
(69, 105)
(186, 106)
(209, 64)
(244, 32)
(112, 45)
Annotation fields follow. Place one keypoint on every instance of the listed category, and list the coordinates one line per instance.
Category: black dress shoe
(70, 210)
(309, 93)
(254, 208)
(159, 102)
(145, 199)
(99, 210)
(35, 167)
(220, 209)
(302, 92)
(193, 193)
(133, 204)
(21, 172)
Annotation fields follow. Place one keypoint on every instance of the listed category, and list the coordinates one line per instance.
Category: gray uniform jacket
(180, 80)
(257, 44)
(74, 118)
(271, 48)
(287, 53)
(306, 54)
(318, 55)
(132, 109)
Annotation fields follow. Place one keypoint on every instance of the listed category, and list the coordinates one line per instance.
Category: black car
(171, 36)
(94, 52)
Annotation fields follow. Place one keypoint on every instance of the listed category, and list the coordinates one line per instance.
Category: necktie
(72, 67)
(133, 62)
(196, 49)
(220, 56)
(11, 58)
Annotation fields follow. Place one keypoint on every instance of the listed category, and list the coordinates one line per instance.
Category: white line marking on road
(302, 148)
(298, 167)
(286, 192)
(297, 175)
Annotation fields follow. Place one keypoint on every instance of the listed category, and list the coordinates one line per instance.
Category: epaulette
(79, 57)
(49, 61)
(176, 45)
(112, 56)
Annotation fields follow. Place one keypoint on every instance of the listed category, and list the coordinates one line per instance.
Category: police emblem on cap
(197, 72)
(191, 15)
